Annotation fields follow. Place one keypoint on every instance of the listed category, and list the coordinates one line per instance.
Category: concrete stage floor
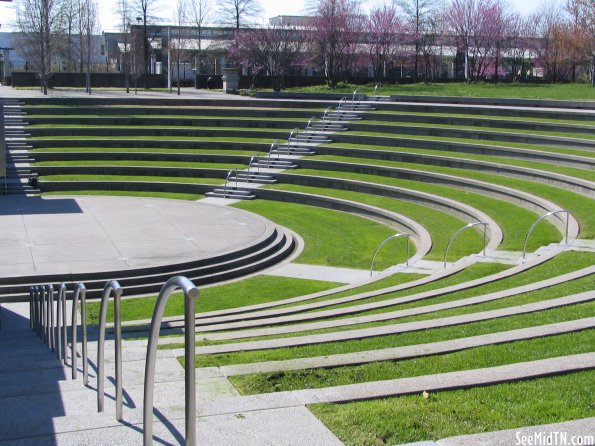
(82, 234)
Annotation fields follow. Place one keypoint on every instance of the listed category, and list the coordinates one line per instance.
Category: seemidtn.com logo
(554, 439)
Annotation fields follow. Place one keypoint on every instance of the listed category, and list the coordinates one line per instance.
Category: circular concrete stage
(96, 234)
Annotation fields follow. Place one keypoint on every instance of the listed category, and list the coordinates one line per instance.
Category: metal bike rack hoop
(107, 291)
(384, 242)
(190, 294)
(79, 292)
(560, 211)
(455, 235)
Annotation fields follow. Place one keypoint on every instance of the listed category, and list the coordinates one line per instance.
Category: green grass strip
(413, 418)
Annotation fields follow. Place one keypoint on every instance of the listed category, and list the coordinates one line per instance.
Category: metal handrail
(353, 99)
(379, 84)
(293, 134)
(31, 308)
(273, 145)
(470, 225)
(386, 240)
(37, 310)
(44, 315)
(325, 115)
(559, 211)
(79, 291)
(341, 102)
(257, 157)
(309, 126)
(107, 291)
(50, 294)
(190, 294)
(61, 334)
(227, 179)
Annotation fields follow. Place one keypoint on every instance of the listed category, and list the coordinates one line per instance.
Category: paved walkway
(63, 235)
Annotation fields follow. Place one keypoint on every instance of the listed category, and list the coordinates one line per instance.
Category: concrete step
(231, 193)
(274, 164)
(253, 178)
(299, 151)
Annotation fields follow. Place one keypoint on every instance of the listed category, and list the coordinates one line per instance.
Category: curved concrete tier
(138, 241)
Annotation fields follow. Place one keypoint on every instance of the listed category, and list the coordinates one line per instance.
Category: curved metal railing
(61, 324)
(560, 211)
(227, 180)
(107, 291)
(190, 294)
(341, 104)
(50, 317)
(32, 309)
(326, 116)
(376, 87)
(293, 135)
(274, 145)
(79, 292)
(384, 242)
(44, 315)
(256, 157)
(353, 99)
(455, 235)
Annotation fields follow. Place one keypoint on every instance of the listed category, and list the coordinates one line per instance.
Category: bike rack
(227, 179)
(79, 291)
(50, 314)
(386, 240)
(107, 290)
(190, 294)
(60, 333)
(470, 225)
(378, 85)
(560, 211)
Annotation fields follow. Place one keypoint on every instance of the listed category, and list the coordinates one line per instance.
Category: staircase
(18, 169)
(231, 193)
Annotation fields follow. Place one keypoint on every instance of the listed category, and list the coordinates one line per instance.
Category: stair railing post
(190, 295)
(384, 242)
(37, 307)
(51, 319)
(107, 291)
(60, 333)
(455, 235)
(80, 292)
(547, 214)
(31, 309)
(44, 319)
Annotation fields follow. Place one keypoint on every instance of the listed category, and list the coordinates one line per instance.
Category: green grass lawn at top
(525, 91)
(405, 419)
(250, 291)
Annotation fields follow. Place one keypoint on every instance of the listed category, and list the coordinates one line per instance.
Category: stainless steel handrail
(353, 99)
(325, 115)
(79, 292)
(60, 334)
(256, 157)
(379, 84)
(309, 126)
(44, 312)
(190, 294)
(107, 291)
(51, 340)
(292, 135)
(470, 225)
(227, 179)
(37, 306)
(386, 240)
(341, 103)
(560, 211)
(31, 308)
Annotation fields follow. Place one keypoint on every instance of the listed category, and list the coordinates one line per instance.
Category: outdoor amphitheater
(296, 269)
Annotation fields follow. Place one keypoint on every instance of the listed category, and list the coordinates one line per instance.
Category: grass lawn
(250, 291)
(412, 418)
(333, 238)
(481, 89)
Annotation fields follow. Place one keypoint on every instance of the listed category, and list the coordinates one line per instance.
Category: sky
(271, 8)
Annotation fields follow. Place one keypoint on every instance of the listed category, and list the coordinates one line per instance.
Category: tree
(199, 14)
(70, 15)
(386, 35)
(478, 28)
(583, 12)
(519, 35)
(547, 21)
(40, 22)
(123, 11)
(178, 44)
(419, 14)
(145, 10)
(88, 19)
(335, 38)
(276, 50)
(238, 13)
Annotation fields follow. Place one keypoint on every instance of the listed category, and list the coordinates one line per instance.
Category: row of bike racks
(52, 326)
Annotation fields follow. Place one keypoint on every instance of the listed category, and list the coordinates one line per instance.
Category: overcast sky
(271, 8)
